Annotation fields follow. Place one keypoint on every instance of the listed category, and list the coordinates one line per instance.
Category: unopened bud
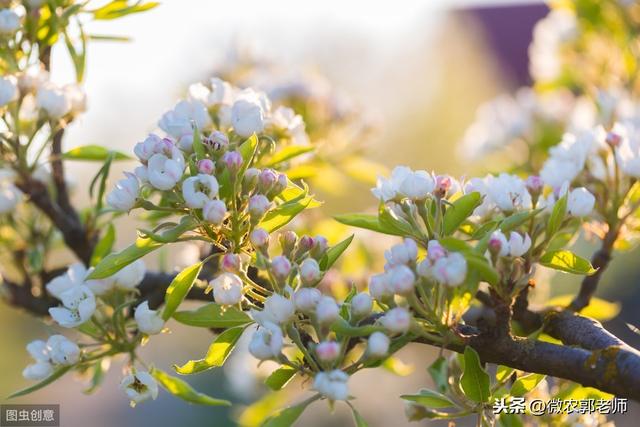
(361, 305)
(328, 351)
(402, 280)
(281, 267)
(306, 299)
(498, 245)
(613, 139)
(379, 286)
(288, 241)
(309, 271)
(250, 179)
(327, 310)
(258, 207)
(266, 180)
(378, 345)
(231, 263)
(319, 248)
(279, 186)
(232, 161)
(534, 184)
(206, 166)
(259, 238)
(214, 211)
(397, 320)
(443, 185)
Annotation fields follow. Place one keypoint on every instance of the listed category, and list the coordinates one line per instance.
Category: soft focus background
(415, 69)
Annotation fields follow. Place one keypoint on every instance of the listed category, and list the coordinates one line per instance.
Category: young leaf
(93, 153)
(198, 148)
(179, 288)
(104, 245)
(366, 221)
(557, 216)
(51, 378)
(357, 418)
(282, 214)
(440, 374)
(459, 211)
(397, 366)
(430, 399)
(568, 262)
(213, 315)
(280, 377)
(248, 148)
(333, 253)
(525, 384)
(288, 153)
(287, 416)
(114, 262)
(514, 221)
(474, 380)
(217, 354)
(184, 391)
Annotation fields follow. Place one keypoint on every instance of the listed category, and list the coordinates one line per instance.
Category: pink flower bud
(435, 250)
(328, 351)
(498, 244)
(288, 241)
(279, 186)
(258, 206)
(327, 310)
(379, 286)
(306, 299)
(250, 179)
(266, 180)
(361, 305)
(231, 263)
(218, 140)
(232, 160)
(443, 185)
(397, 320)
(281, 267)
(309, 271)
(206, 166)
(613, 139)
(534, 184)
(319, 248)
(214, 211)
(259, 238)
(305, 244)
(402, 280)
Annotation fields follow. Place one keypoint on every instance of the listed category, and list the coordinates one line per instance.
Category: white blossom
(450, 270)
(178, 122)
(9, 21)
(248, 114)
(327, 310)
(53, 100)
(214, 211)
(361, 304)
(73, 277)
(198, 190)
(62, 351)
(380, 286)
(164, 173)
(37, 371)
(401, 279)
(332, 384)
(125, 194)
(277, 309)
(78, 305)
(499, 244)
(518, 244)
(306, 299)
(227, 289)
(404, 182)
(402, 253)
(149, 321)
(378, 345)
(139, 387)
(580, 202)
(310, 271)
(130, 276)
(508, 192)
(8, 89)
(10, 196)
(266, 342)
(397, 320)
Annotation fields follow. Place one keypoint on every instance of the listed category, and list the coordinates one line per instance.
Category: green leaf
(525, 384)
(390, 220)
(179, 288)
(218, 352)
(357, 418)
(184, 391)
(557, 216)
(439, 372)
(248, 148)
(100, 368)
(459, 211)
(213, 315)
(118, 8)
(93, 153)
(397, 366)
(288, 153)
(284, 213)
(104, 245)
(474, 380)
(429, 399)
(568, 262)
(280, 377)
(286, 417)
(514, 221)
(366, 221)
(114, 262)
(598, 308)
(51, 378)
(483, 267)
(198, 148)
(333, 253)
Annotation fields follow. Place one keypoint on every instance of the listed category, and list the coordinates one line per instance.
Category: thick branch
(57, 172)
(614, 370)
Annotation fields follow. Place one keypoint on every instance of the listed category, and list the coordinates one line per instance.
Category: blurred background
(415, 71)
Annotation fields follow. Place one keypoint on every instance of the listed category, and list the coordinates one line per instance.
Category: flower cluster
(56, 351)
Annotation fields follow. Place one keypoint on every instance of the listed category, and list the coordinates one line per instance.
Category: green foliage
(459, 211)
(217, 355)
(474, 381)
(213, 315)
(51, 378)
(184, 391)
(333, 253)
(568, 262)
(179, 288)
(280, 377)
(429, 399)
